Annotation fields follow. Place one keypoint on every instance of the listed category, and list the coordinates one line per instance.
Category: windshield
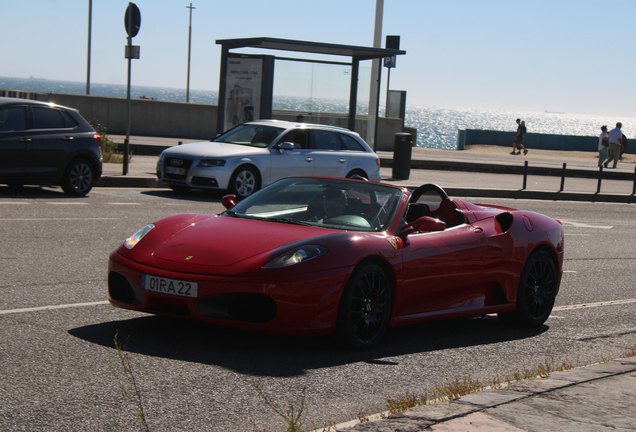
(330, 203)
(253, 135)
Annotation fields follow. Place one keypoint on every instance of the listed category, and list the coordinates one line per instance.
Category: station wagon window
(326, 140)
(350, 143)
(50, 118)
(250, 135)
(12, 118)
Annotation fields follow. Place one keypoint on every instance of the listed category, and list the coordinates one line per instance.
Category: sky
(574, 56)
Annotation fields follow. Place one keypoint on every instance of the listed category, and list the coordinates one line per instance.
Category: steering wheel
(428, 187)
(374, 223)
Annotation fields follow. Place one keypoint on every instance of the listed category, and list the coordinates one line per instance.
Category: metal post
(525, 174)
(634, 187)
(189, 45)
(563, 178)
(600, 177)
(127, 140)
(88, 56)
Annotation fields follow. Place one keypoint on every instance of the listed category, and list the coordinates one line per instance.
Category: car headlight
(161, 157)
(211, 163)
(297, 256)
(136, 237)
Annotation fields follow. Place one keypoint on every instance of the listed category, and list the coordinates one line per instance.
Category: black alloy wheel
(78, 178)
(536, 292)
(365, 308)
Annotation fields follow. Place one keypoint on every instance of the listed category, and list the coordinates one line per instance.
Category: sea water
(436, 127)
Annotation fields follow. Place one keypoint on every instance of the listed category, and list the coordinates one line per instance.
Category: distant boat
(554, 112)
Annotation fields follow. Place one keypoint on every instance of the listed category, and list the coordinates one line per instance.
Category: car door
(330, 158)
(299, 161)
(52, 135)
(14, 137)
(442, 270)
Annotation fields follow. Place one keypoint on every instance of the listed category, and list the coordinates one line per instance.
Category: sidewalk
(478, 171)
(595, 398)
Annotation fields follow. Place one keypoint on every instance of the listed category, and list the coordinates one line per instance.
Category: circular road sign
(132, 20)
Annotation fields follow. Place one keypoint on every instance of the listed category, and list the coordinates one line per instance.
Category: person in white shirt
(615, 142)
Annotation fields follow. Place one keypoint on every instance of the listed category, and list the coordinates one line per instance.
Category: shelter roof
(360, 53)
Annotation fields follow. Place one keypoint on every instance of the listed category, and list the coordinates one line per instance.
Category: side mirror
(285, 146)
(228, 201)
(424, 224)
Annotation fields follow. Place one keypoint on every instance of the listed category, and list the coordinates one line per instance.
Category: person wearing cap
(615, 142)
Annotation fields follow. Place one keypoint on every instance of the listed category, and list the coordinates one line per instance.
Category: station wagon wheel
(365, 308)
(244, 182)
(78, 178)
(536, 292)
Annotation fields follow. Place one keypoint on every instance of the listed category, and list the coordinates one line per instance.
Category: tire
(78, 178)
(365, 308)
(536, 292)
(358, 173)
(244, 182)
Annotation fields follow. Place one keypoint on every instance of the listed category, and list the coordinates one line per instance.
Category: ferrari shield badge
(393, 242)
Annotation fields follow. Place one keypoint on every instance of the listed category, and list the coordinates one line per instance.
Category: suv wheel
(78, 178)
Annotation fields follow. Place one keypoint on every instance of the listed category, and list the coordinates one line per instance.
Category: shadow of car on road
(288, 356)
(39, 192)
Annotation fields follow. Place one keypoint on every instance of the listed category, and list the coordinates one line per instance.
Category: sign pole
(132, 22)
(127, 140)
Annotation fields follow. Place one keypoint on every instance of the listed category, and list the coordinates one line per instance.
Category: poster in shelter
(243, 90)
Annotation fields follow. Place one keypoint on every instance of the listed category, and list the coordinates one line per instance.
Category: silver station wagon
(255, 154)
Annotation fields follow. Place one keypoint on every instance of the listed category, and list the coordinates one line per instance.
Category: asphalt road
(57, 356)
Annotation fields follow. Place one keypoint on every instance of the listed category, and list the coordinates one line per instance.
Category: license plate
(169, 286)
(173, 170)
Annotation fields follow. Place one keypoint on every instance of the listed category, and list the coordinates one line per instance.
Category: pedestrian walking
(521, 131)
(615, 141)
(603, 143)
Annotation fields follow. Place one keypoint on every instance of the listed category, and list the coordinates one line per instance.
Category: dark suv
(43, 143)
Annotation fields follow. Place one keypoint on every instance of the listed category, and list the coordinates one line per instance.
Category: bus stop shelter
(356, 54)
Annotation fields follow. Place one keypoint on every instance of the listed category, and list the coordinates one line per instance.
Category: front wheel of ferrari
(536, 292)
(365, 308)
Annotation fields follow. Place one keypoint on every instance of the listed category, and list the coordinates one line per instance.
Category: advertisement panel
(243, 90)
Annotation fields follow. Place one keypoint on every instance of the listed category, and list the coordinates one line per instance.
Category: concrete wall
(194, 121)
(533, 141)
(147, 117)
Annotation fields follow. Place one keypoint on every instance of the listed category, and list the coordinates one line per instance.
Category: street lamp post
(88, 56)
(189, 45)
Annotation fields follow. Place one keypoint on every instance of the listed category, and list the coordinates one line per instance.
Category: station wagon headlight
(136, 237)
(211, 163)
(297, 256)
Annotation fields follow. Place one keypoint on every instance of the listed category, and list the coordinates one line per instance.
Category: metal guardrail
(564, 174)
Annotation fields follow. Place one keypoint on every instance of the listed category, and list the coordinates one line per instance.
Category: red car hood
(223, 241)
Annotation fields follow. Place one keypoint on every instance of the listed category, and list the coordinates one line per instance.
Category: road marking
(58, 219)
(569, 271)
(584, 225)
(43, 308)
(67, 203)
(99, 303)
(15, 203)
(124, 203)
(596, 304)
(583, 235)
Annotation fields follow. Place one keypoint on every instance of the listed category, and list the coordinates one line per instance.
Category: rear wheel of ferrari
(365, 308)
(536, 292)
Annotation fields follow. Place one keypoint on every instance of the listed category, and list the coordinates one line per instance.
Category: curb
(459, 412)
(146, 182)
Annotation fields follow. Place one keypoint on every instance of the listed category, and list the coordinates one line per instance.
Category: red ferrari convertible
(316, 255)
